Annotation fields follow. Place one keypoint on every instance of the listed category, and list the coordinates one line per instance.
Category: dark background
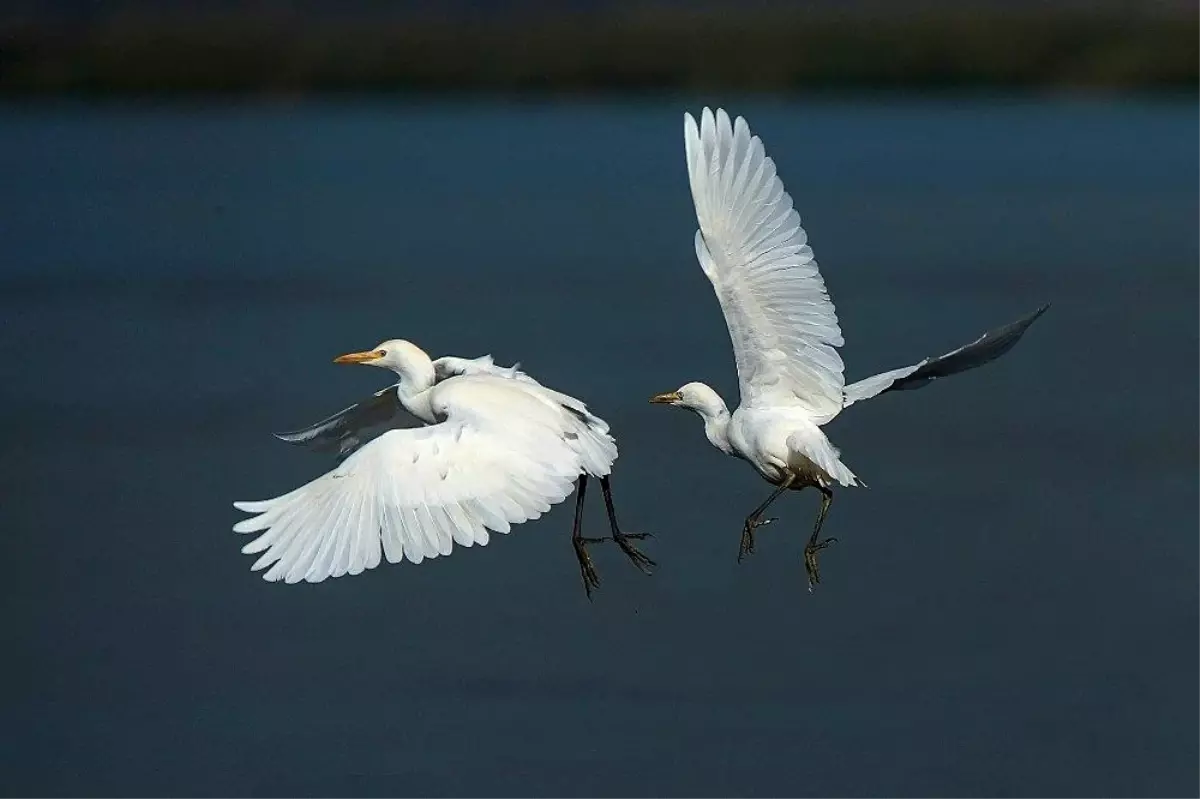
(1011, 608)
(298, 46)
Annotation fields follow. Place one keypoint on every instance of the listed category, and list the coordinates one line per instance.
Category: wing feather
(464, 531)
(393, 530)
(321, 518)
(753, 248)
(985, 349)
(500, 457)
(419, 545)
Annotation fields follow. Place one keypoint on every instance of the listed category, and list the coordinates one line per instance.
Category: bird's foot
(622, 540)
(810, 560)
(747, 547)
(639, 558)
(587, 571)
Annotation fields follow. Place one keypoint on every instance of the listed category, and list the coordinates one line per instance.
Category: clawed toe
(811, 566)
(644, 563)
(639, 558)
(747, 545)
(587, 571)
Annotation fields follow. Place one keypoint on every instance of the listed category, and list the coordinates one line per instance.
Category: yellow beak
(359, 357)
(667, 398)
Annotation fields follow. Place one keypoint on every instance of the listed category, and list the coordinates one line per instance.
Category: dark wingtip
(1023, 323)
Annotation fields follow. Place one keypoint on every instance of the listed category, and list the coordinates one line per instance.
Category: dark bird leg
(633, 553)
(586, 570)
(814, 546)
(755, 519)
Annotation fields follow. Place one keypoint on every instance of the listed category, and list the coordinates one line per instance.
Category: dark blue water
(1011, 608)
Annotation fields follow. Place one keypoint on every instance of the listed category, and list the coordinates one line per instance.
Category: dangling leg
(755, 520)
(633, 553)
(586, 570)
(814, 546)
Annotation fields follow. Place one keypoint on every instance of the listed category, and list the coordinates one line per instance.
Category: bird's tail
(812, 445)
(590, 439)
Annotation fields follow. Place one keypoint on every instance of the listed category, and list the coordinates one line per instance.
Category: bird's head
(402, 357)
(693, 396)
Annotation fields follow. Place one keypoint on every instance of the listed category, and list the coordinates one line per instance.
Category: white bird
(488, 448)
(783, 327)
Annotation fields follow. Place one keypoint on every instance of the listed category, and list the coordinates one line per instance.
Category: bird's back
(526, 399)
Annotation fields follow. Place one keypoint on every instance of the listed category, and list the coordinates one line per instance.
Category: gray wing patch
(351, 428)
(988, 347)
(985, 349)
(348, 429)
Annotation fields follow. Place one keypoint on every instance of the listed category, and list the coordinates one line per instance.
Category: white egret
(486, 448)
(783, 327)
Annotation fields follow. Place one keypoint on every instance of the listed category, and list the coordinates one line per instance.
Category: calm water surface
(1011, 608)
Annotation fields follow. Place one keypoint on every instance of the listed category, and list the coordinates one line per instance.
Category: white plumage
(498, 449)
(782, 325)
(753, 249)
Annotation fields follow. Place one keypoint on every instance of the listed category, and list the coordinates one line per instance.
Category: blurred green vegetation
(779, 49)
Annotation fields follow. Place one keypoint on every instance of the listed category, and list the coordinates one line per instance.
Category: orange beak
(359, 357)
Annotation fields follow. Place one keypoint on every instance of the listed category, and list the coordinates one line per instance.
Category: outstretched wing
(499, 458)
(988, 347)
(751, 245)
(350, 428)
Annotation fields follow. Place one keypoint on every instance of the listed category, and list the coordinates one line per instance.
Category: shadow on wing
(988, 347)
(349, 429)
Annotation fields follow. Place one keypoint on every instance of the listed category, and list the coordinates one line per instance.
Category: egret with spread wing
(783, 327)
(484, 448)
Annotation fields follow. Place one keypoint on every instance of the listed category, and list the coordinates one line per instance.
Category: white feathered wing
(501, 457)
(752, 247)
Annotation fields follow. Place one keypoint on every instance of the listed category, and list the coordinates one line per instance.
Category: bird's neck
(716, 424)
(415, 381)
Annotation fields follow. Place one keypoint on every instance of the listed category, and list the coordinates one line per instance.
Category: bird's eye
(383, 353)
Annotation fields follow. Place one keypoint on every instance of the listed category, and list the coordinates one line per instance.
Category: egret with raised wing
(783, 327)
(468, 448)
